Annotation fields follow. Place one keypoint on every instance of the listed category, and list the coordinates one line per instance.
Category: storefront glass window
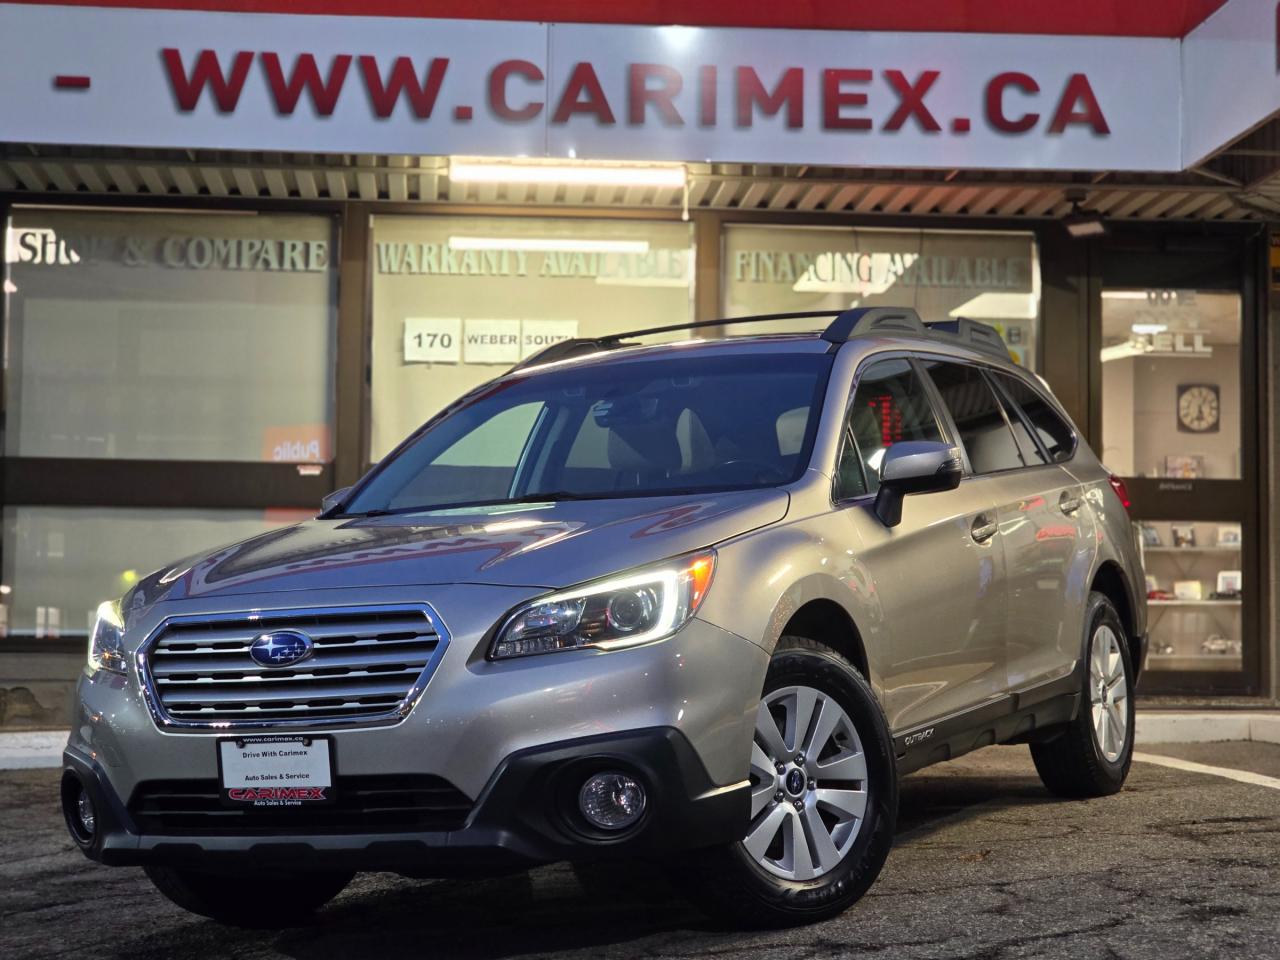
(1195, 591)
(169, 336)
(1171, 412)
(459, 300)
(989, 276)
(1171, 383)
(59, 563)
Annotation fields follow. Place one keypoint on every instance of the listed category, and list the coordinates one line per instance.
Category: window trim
(944, 424)
(985, 368)
(1029, 423)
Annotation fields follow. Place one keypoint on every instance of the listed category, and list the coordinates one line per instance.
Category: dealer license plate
(276, 771)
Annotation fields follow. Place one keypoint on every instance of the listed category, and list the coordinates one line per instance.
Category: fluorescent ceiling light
(1124, 294)
(614, 281)
(998, 306)
(1123, 351)
(615, 175)
(545, 244)
(1149, 329)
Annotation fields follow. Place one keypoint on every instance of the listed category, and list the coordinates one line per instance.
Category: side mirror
(914, 466)
(333, 501)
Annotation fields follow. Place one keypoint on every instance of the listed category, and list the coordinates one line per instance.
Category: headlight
(608, 614)
(106, 642)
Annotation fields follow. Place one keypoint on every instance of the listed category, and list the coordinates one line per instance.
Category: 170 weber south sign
(98, 76)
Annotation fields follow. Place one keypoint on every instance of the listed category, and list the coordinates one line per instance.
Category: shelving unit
(1181, 626)
(1212, 549)
(1195, 603)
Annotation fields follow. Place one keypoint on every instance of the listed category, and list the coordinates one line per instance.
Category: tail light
(1121, 490)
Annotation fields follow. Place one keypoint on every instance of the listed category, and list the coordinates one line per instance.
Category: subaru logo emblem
(280, 648)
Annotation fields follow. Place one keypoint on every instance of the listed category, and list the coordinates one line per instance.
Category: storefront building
(247, 250)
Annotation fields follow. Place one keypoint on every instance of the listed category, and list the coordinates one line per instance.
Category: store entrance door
(1178, 420)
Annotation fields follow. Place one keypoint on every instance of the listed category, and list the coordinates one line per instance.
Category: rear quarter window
(1054, 433)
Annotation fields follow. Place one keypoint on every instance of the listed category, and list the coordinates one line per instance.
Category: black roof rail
(866, 321)
(979, 336)
(846, 325)
(562, 350)
(579, 346)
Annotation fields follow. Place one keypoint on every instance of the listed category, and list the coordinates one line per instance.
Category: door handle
(983, 529)
(1068, 503)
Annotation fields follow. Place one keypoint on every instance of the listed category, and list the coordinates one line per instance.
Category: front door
(938, 576)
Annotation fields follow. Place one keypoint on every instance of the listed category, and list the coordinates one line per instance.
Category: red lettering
(207, 70)
(788, 92)
(306, 75)
(640, 94)
(911, 100)
(583, 80)
(834, 97)
(1079, 105)
(404, 79)
(706, 96)
(498, 90)
(995, 102)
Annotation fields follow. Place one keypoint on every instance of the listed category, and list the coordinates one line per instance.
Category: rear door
(1049, 540)
(936, 576)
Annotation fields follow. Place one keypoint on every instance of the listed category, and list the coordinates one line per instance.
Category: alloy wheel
(808, 784)
(1108, 694)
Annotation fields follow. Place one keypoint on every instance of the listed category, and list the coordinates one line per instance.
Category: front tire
(255, 900)
(824, 797)
(1091, 756)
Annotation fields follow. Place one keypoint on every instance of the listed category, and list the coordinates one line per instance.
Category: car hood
(547, 545)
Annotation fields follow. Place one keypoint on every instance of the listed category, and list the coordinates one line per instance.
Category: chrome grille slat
(353, 628)
(253, 712)
(299, 692)
(368, 664)
(419, 654)
(176, 683)
(161, 653)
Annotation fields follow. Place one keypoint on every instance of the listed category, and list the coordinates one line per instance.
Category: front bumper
(523, 818)
(500, 736)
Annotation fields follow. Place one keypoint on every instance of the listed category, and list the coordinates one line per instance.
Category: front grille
(367, 804)
(368, 665)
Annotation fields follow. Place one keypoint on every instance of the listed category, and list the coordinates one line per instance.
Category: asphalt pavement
(986, 865)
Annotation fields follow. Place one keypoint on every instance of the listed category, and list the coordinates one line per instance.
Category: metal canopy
(1208, 193)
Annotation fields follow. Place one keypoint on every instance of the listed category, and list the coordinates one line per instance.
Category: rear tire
(821, 824)
(229, 899)
(1092, 754)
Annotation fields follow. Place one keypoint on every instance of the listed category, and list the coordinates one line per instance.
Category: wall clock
(1199, 409)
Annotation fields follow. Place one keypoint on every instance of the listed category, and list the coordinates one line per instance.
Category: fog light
(612, 800)
(85, 813)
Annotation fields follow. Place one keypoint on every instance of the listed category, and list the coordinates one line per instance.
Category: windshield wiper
(549, 496)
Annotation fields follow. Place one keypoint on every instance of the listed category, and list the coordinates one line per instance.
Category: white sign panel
(492, 341)
(184, 79)
(432, 339)
(537, 335)
(1230, 75)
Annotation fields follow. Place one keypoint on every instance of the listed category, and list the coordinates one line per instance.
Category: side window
(889, 404)
(1054, 432)
(978, 416)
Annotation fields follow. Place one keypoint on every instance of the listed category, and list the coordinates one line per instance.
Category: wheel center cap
(795, 782)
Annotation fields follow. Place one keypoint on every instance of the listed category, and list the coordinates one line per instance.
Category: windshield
(641, 428)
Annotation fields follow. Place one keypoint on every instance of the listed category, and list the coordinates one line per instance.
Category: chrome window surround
(390, 717)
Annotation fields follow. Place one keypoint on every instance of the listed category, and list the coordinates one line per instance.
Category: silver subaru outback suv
(702, 601)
